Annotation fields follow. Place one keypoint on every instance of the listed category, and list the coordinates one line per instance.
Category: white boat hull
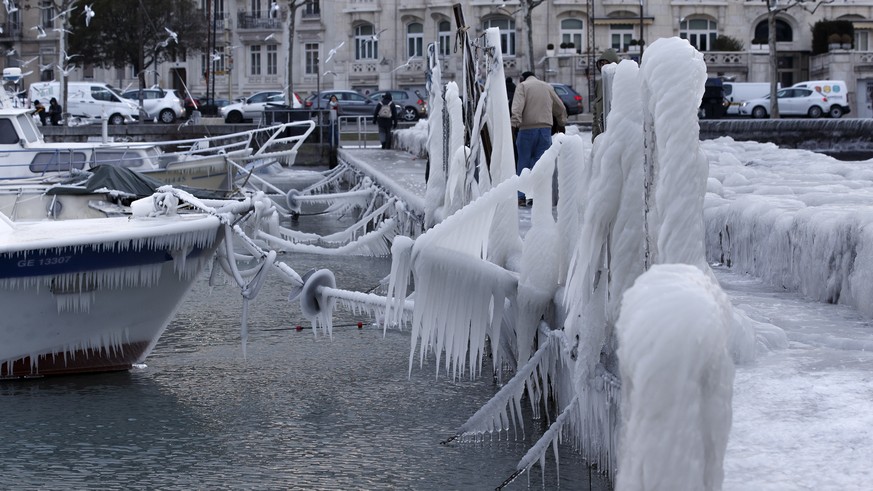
(99, 305)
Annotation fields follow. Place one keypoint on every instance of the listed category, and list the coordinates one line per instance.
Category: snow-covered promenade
(801, 224)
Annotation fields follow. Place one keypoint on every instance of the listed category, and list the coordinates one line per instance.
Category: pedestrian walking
(385, 117)
(535, 108)
(333, 114)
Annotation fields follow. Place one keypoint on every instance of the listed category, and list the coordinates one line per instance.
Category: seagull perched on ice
(64, 12)
(333, 51)
(40, 32)
(89, 14)
(274, 10)
(405, 64)
(376, 36)
(271, 36)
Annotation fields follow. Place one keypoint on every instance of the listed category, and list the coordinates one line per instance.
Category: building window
(312, 9)
(256, 10)
(507, 34)
(88, 72)
(700, 33)
(784, 33)
(272, 59)
(46, 13)
(255, 64)
(444, 36)
(571, 32)
(366, 45)
(862, 40)
(310, 57)
(620, 36)
(415, 39)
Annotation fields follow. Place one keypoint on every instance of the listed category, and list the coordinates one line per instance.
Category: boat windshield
(28, 128)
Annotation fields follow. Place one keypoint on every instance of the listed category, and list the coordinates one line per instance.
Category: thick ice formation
(677, 381)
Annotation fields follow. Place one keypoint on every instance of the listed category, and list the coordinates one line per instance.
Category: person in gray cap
(535, 108)
(608, 56)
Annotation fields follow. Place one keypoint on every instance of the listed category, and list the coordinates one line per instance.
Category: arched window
(571, 32)
(700, 32)
(444, 36)
(366, 45)
(415, 39)
(507, 34)
(784, 33)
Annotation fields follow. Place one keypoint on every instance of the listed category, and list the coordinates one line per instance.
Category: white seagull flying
(40, 32)
(89, 14)
(333, 51)
(64, 12)
(405, 64)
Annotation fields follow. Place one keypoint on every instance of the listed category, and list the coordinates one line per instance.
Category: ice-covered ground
(802, 416)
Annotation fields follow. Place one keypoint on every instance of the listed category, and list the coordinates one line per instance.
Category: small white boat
(94, 295)
(205, 163)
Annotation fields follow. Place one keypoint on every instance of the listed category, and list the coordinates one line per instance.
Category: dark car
(571, 99)
(412, 104)
(206, 105)
(351, 103)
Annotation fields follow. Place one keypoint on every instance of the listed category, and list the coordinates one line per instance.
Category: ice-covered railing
(637, 204)
(233, 215)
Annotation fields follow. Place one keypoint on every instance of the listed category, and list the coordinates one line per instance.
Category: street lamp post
(641, 31)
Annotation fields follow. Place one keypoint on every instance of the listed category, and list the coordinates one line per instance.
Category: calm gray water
(301, 412)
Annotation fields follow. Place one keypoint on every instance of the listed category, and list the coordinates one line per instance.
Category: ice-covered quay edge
(622, 336)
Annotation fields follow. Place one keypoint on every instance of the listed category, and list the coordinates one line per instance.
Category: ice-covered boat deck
(802, 416)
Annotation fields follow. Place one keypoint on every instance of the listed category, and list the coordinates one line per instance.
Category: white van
(88, 100)
(835, 91)
(736, 93)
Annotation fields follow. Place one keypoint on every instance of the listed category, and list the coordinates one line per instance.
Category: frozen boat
(205, 163)
(94, 295)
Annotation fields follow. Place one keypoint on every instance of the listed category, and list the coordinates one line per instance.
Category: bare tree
(527, 7)
(774, 8)
(293, 5)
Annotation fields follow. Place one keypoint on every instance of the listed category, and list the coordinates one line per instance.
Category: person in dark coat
(385, 116)
(55, 111)
(510, 91)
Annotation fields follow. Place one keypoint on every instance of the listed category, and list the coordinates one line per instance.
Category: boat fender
(311, 294)
(292, 201)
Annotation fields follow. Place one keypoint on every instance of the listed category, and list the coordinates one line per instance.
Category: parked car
(835, 91)
(411, 103)
(253, 107)
(351, 103)
(571, 99)
(165, 105)
(206, 105)
(793, 101)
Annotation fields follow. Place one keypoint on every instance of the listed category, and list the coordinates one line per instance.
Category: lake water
(301, 412)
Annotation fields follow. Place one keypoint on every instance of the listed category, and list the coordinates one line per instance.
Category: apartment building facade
(368, 45)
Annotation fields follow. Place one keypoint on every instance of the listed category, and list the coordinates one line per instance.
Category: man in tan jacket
(535, 108)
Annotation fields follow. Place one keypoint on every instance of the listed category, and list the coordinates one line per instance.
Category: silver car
(163, 105)
(792, 102)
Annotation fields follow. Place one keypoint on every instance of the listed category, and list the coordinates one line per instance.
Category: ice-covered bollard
(677, 381)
